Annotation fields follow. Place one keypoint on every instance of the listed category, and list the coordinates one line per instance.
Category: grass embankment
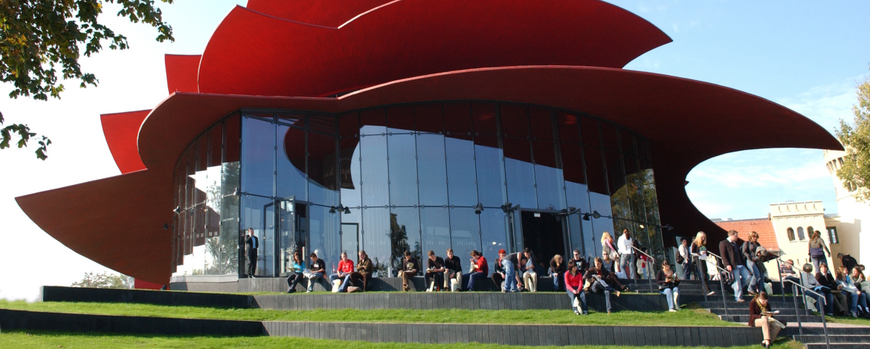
(67, 341)
(686, 317)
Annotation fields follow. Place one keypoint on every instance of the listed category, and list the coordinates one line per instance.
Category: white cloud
(826, 104)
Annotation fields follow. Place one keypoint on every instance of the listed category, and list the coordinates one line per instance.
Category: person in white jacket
(626, 255)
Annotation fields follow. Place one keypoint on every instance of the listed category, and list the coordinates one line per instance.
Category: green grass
(64, 340)
(847, 320)
(686, 317)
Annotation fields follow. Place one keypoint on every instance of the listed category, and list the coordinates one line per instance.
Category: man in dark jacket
(251, 245)
(409, 269)
(452, 270)
(435, 270)
(734, 262)
(847, 261)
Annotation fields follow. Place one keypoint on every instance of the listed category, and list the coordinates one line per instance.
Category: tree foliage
(855, 170)
(104, 280)
(42, 40)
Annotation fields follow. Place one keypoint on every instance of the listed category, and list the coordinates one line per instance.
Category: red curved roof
(686, 122)
(319, 12)
(122, 131)
(252, 53)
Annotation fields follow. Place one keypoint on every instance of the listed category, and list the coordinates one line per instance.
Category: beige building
(793, 222)
(851, 220)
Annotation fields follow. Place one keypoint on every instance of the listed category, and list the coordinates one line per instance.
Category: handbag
(614, 255)
(817, 252)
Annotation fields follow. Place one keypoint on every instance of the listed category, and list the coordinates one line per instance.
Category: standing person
(452, 270)
(685, 259)
(607, 244)
(498, 274)
(574, 288)
(434, 270)
(578, 259)
(626, 254)
(817, 249)
(479, 269)
(760, 315)
(297, 265)
(557, 272)
(847, 261)
(363, 273)
(530, 277)
(315, 272)
(698, 251)
(734, 262)
(251, 245)
(409, 269)
(597, 278)
(750, 250)
(345, 268)
(668, 282)
(510, 262)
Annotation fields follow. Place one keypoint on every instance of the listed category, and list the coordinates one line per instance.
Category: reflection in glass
(601, 203)
(464, 231)
(435, 229)
(258, 213)
(519, 172)
(431, 169)
(322, 171)
(403, 169)
(324, 235)
(490, 173)
(494, 236)
(373, 151)
(376, 237)
(291, 177)
(258, 156)
(405, 236)
(460, 172)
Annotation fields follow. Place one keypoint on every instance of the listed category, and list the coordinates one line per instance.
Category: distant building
(851, 220)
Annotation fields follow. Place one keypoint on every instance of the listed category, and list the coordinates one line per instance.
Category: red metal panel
(254, 54)
(181, 73)
(121, 131)
(328, 13)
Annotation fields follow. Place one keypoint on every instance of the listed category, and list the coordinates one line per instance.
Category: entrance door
(542, 233)
(286, 218)
(285, 235)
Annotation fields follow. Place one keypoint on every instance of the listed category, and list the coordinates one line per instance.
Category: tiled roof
(762, 226)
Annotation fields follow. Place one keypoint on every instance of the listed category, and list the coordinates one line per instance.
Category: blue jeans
(828, 301)
(669, 294)
(558, 281)
(600, 286)
(471, 277)
(741, 279)
(687, 269)
(344, 280)
(293, 280)
(632, 265)
(757, 280)
(855, 300)
(582, 296)
(313, 279)
(510, 276)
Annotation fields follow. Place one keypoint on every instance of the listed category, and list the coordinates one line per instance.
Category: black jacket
(730, 255)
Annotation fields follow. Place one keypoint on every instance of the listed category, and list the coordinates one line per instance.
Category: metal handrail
(806, 290)
(779, 263)
(721, 283)
(649, 274)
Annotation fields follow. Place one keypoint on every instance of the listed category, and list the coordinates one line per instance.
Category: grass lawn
(63, 340)
(847, 320)
(686, 317)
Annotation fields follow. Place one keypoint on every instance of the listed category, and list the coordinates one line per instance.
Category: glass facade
(463, 175)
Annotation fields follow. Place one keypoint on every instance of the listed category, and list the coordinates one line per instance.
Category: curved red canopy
(686, 122)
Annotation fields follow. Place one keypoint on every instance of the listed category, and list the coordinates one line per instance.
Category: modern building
(408, 125)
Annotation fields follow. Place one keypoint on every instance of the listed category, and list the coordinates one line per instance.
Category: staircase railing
(648, 272)
(719, 272)
(821, 297)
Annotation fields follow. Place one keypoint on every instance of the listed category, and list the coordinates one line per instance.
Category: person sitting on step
(574, 288)
(363, 274)
(479, 269)
(668, 282)
(557, 272)
(857, 299)
(452, 270)
(345, 268)
(596, 276)
(498, 275)
(825, 278)
(409, 270)
(434, 270)
(315, 272)
(530, 277)
(297, 265)
(823, 291)
(760, 315)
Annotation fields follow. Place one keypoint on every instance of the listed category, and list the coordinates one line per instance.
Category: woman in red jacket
(760, 315)
(574, 287)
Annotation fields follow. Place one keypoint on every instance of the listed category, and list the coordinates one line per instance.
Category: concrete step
(790, 319)
(820, 339)
(838, 346)
(745, 311)
(816, 329)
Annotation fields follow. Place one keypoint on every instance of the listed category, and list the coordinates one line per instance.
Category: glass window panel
(324, 227)
(519, 172)
(292, 119)
(620, 194)
(429, 118)
(400, 119)
(485, 121)
(609, 136)
(514, 120)
(373, 122)
(548, 176)
(258, 213)
(258, 157)
(291, 177)
(322, 164)
(403, 170)
(628, 146)
(435, 230)
(373, 168)
(541, 121)
(464, 231)
(322, 124)
(457, 120)
(350, 171)
(572, 164)
(405, 236)
(460, 172)
(577, 242)
(494, 230)
(376, 237)
(568, 127)
(490, 173)
(589, 132)
(601, 204)
(351, 232)
(431, 169)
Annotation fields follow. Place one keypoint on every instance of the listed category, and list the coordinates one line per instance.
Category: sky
(807, 56)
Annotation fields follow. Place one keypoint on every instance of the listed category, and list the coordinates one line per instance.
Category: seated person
(611, 265)
(530, 277)
(409, 270)
(499, 273)
(345, 268)
(557, 272)
(825, 278)
(668, 282)
(578, 259)
(574, 288)
(596, 276)
(434, 270)
(478, 271)
(760, 315)
(823, 291)
(297, 265)
(315, 272)
(452, 270)
(857, 299)
(786, 270)
(363, 273)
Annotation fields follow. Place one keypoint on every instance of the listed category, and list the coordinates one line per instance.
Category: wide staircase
(811, 331)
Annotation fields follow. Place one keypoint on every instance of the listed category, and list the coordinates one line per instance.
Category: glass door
(286, 223)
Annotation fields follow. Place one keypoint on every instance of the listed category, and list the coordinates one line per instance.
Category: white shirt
(684, 252)
(624, 244)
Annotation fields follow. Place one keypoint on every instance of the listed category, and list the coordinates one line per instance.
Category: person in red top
(574, 288)
(345, 268)
(479, 269)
